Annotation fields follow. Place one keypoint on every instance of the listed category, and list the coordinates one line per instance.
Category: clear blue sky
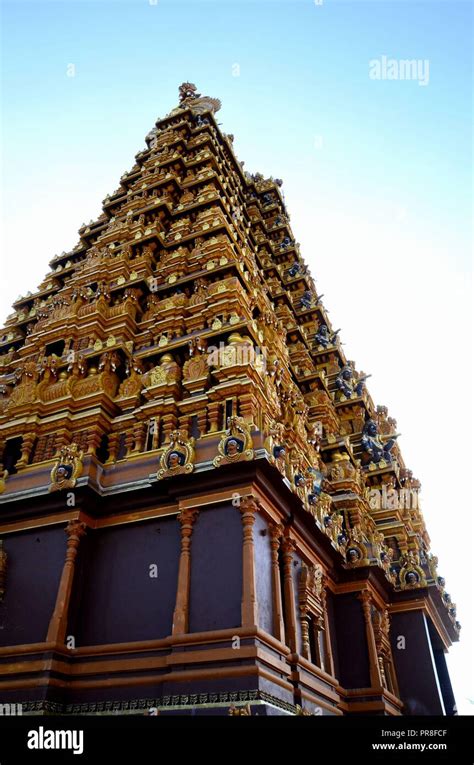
(377, 178)
(303, 72)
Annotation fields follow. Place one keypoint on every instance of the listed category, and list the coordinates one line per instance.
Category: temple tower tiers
(201, 506)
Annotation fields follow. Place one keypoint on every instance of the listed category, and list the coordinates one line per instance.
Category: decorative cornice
(162, 703)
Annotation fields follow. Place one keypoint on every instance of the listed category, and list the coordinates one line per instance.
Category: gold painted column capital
(187, 518)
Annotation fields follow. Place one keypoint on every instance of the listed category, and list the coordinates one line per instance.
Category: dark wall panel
(352, 651)
(263, 574)
(117, 599)
(216, 570)
(332, 630)
(35, 563)
(415, 665)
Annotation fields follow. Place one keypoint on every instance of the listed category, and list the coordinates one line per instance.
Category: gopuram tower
(201, 508)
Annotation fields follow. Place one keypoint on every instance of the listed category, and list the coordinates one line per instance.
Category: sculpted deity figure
(236, 443)
(325, 338)
(346, 384)
(307, 299)
(187, 90)
(178, 458)
(373, 447)
(67, 468)
(25, 390)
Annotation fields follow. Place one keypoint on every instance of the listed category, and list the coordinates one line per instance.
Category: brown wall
(351, 641)
(116, 599)
(216, 570)
(35, 562)
(415, 664)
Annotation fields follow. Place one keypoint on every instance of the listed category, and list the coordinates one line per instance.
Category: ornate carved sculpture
(200, 292)
(311, 582)
(381, 625)
(168, 371)
(197, 366)
(347, 386)
(356, 550)
(386, 425)
(316, 482)
(25, 391)
(187, 90)
(239, 350)
(67, 468)
(189, 97)
(312, 611)
(133, 383)
(372, 446)
(324, 338)
(178, 458)
(244, 711)
(5, 391)
(275, 446)
(236, 444)
(48, 387)
(307, 299)
(411, 574)
(77, 366)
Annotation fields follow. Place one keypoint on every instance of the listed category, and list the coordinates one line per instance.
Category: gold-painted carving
(67, 469)
(236, 444)
(178, 458)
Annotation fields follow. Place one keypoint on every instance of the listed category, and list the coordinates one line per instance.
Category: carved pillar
(113, 447)
(304, 620)
(247, 407)
(202, 421)
(26, 447)
(170, 422)
(93, 440)
(213, 412)
(63, 438)
(381, 630)
(39, 455)
(327, 633)
(139, 435)
(375, 676)
(276, 532)
(181, 611)
(128, 443)
(154, 429)
(288, 548)
(185, 423)
(248, 508)
(75, 530)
